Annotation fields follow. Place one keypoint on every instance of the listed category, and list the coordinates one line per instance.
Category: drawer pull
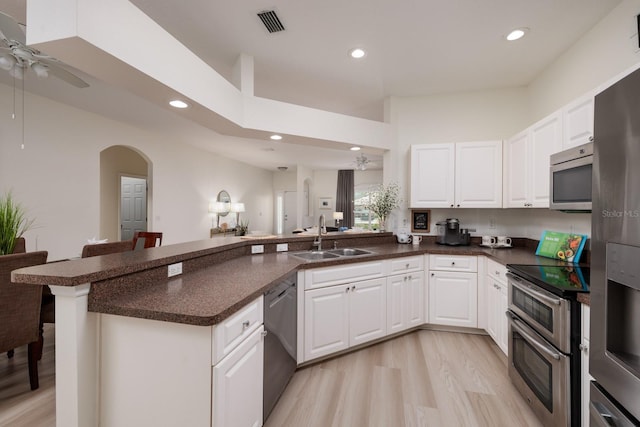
(407, 265)
(245, 324)
(453, 263)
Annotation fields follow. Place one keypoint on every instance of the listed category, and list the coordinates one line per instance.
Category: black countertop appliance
(450, 233)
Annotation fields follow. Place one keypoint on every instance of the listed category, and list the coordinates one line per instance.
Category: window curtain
(344, 197)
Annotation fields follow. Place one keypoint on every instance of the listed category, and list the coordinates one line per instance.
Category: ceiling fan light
(7, 62)
(40, 70)
(16, 72)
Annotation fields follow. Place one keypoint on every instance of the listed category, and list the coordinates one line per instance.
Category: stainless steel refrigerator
(615, 257)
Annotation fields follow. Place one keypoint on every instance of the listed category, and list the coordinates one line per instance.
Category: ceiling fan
(17, 58)
(361, 162)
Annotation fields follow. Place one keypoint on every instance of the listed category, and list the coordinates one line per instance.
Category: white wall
(458, 117)
(608, 49)
(57, 176)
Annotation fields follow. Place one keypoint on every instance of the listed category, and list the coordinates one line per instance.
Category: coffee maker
(450, 233)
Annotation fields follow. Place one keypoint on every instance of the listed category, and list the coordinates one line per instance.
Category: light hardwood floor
(425, 378)
(19, 406)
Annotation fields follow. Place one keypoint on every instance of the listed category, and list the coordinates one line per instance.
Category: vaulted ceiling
(414, 48)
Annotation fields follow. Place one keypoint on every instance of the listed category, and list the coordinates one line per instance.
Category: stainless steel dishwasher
(280, 346)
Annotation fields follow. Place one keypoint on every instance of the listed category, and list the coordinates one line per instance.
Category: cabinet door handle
(407, 265)
(453, 263)
(353, 288)
(410, 277)
(404, 279)
(245, 324)
(458, 206)
(347, 289)
(583, 347)
(497, 273)
(452, 205)
(433, 274)
(264, 333)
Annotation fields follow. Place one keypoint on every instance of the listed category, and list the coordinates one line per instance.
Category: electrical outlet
(175, 269)
(492, 223)
(282, 247)
(257, 249)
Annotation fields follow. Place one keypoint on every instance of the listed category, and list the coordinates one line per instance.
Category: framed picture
(325, 203)
(420, 220)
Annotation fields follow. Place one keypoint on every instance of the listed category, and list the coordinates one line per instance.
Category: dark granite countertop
(219, 275)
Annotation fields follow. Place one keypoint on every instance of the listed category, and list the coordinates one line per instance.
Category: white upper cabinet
(432, 175)
(461, 175)
(478, 182)
(577, 119)
(527, 163)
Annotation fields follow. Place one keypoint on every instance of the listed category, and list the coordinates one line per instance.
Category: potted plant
(242, 228)
(13, 223)
(382, 201)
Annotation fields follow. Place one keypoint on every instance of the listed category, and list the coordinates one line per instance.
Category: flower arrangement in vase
(383, 201)
(242, 228)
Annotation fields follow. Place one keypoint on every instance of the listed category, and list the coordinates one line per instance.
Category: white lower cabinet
(405, 301)
(497, 300)
(341, 316)
(453, 298)
(497, 323)
(367, 311)
(237, 384)
(155, 373)
(453, 290)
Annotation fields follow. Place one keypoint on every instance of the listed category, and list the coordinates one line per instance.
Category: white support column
(243, 74)
(76, 358)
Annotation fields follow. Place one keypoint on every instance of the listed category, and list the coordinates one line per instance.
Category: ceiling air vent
(271, 21)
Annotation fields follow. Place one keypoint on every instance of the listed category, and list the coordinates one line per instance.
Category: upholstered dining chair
(20, 310)
(106, 248)
(151, 239)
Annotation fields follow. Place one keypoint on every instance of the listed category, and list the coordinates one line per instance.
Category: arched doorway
(120, 164)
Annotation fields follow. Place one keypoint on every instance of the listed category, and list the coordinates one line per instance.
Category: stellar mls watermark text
(635, 213)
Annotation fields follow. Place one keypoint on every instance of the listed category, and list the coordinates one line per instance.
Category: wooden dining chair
(151, 239)
(20, 310)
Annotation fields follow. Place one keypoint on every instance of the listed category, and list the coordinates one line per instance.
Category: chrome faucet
(321, 229)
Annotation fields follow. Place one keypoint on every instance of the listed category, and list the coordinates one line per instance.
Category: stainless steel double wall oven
(544, 335)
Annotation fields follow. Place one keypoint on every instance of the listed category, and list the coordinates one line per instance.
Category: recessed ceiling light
(276, 137)
(357, 53)
(355, 148)
(516, 34)
(178, 104)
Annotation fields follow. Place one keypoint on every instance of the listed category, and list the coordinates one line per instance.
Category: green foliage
(13, 223)
(384, 200)
(242, 228)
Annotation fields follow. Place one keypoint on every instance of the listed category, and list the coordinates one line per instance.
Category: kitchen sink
(315, 255)
(349, 252)
(330, 254)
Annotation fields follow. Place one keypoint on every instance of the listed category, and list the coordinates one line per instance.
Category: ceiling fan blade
(10, 30)
(66, 76)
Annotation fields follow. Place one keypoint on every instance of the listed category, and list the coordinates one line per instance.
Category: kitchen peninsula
(99, 298)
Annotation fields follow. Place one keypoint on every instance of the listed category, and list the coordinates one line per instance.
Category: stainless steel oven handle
(518, 326)
(517, 282)
(602, 417)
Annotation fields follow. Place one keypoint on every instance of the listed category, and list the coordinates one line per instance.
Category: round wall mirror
(223, 197)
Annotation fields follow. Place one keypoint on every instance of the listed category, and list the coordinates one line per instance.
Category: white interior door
(133, 206)
(290, 216)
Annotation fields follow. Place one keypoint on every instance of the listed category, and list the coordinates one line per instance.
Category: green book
(562, 246)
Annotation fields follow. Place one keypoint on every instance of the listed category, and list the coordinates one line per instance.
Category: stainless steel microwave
(570, 180)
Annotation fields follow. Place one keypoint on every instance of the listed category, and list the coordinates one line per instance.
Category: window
(362, 218)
